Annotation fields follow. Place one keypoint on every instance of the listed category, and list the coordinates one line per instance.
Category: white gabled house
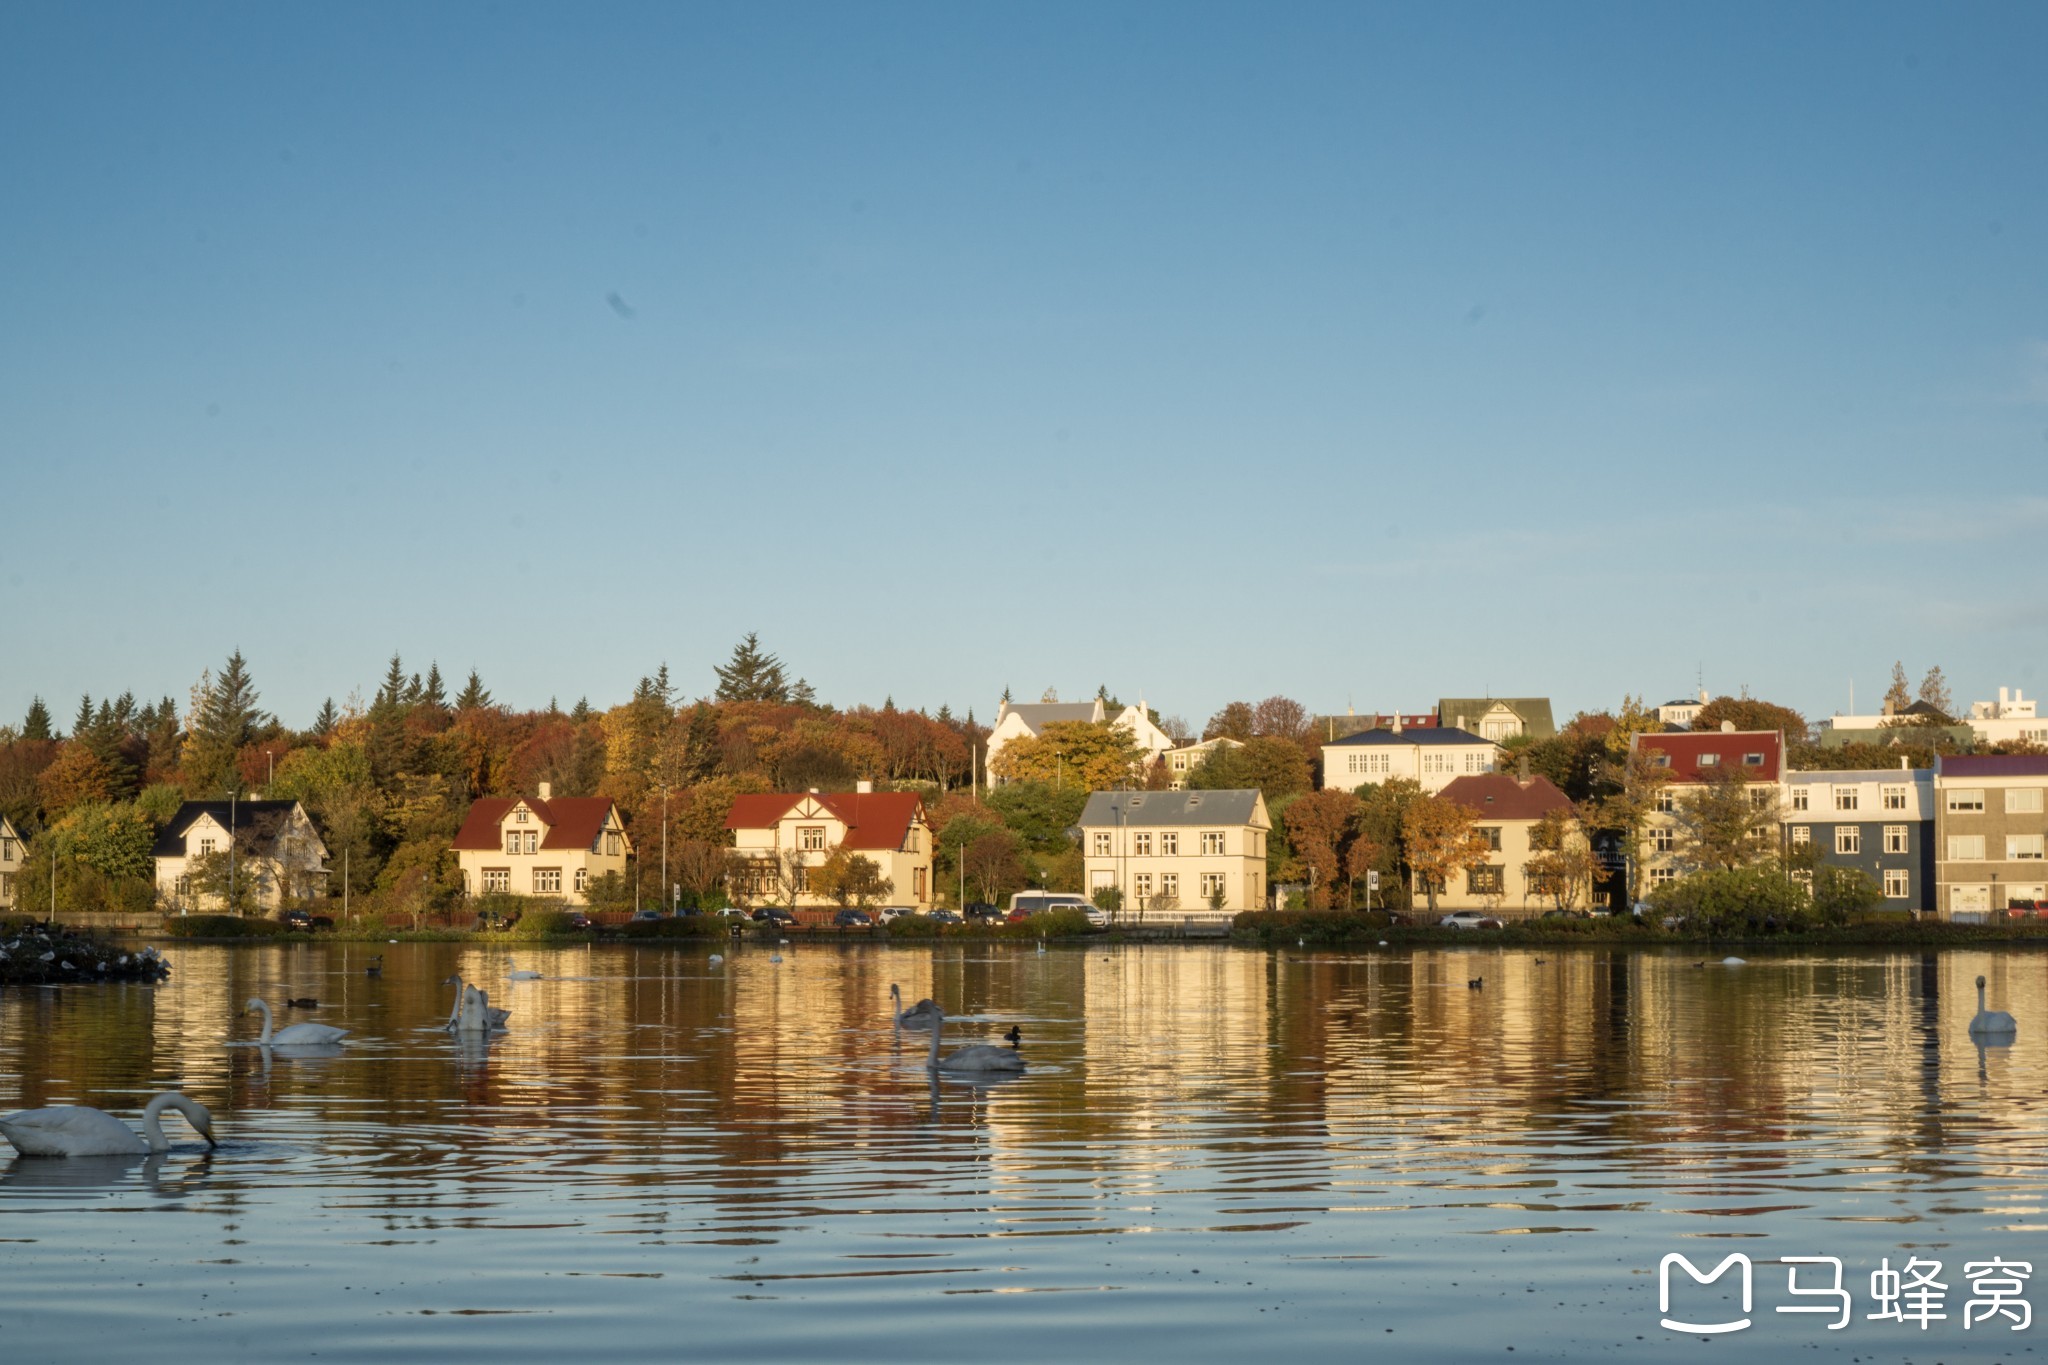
(275, 846)
(1025, 721)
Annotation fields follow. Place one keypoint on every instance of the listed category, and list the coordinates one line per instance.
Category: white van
(1038, 902)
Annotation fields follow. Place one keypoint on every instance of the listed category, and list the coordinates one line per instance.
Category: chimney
(1397, 722)
(547, 791)
(814, 791)
(2003, 701)
(1903, 763)
(863, 787)
(1522, 771)
(1727, 727)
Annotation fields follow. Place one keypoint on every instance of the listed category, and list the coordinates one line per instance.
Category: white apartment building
(1434, 758)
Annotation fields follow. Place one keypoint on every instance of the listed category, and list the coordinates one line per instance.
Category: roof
(256, 823)
(1442, 734)
(1534, 711)
(1993, 765)
(572, 821)
(1729, 749)
(875, 821)
(1039, 714)
(1235, 806)
(1333, 728)
(1503, 796)
(1820, 775)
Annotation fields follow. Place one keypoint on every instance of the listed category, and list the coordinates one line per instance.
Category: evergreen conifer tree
(324, 723)
(433, 693)
(392, 692)
(751, 674)
(37, 723)
(474, 697)
(82, 722)
(803, 694)
(582, 711)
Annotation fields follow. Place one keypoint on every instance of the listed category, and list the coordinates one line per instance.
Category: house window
(1965, 848)
(1169, 884)
(6, 850)
(811, 838)
(1752, 760)
(1848, 839)
(1100, 844)
(1800, 797)
(1478, 763)
(1710, 760)
(497, 879)
(547, 881)
(1895, 838)
(1897, 883)
(1661, 875)
(519, 816)
(184, 886)
(1212, 841)
(511, 841)
(1759, 797)
(611, 844)
(206, 848)
(1663, 838)
(1141, 885)
(1486, 881)
(582, 880)
(1491, 833)
(1894, 798)
(1966, 801)
(1802, 835)
(917, 883)
(910, 841)
(1212, 884)
(1666, 801)
(2023, 847)
(1660, 761)
(1180, 763)
(1169, 844)
(2022, 800)
(1141, 844)
(1845, 798)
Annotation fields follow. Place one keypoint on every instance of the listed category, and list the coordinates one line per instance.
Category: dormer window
(519, 816)
(1710, 760)
(1752, 760)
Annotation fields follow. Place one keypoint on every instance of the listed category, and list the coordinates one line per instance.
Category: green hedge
(684, 926)
(222, 926)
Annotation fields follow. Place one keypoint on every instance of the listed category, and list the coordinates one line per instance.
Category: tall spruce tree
(324, 723)
(474, 695)
(226, 719)
(433, 693)
(392, 691)
(752, 674)
(36, 725)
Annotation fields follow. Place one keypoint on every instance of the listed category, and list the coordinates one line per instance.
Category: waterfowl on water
(975, 1058)
(291, 1034)
(1992, 1023)
(79, 1130)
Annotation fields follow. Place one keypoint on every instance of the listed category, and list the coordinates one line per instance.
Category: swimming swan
(974, 1059)
(513, 972)
(291, 1034)
(1991, 1023)
(76, 1130)
(917, 1016)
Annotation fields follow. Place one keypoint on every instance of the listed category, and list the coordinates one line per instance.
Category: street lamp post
(270, 773)
(232, 794)
(664, 847)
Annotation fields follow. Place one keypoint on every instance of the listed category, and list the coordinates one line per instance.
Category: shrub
(912, 926)
(681, 926)
(222, 926)
(1069, 923)
(544, 922)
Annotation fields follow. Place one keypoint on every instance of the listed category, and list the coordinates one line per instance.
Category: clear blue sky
(1364, 354)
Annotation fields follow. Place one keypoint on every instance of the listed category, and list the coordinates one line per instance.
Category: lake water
(1216, 1154)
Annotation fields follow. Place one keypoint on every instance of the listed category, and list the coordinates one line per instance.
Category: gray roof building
(1238, 806)
(1485, 715)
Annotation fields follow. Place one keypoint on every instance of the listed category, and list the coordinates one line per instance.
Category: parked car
(730, 912)
(943, 917)
(578, 920)
(305, 920)
(853, 919)
(1468, 919)
(1567, 914)
(981, 912)
(889, 914)
(774, 914)
(643, 916)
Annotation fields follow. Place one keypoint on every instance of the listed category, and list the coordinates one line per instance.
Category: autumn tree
(854, 877)
(1275, 766)
(1934, 691)
(1899, 695)
(1324, 832)
(1634, 718)
(1235, 721)
(1442, 838)
(1561, 866)
(1747, 713)
(1072, 753)
(994, 863)
(78, 776)
(1727, 822)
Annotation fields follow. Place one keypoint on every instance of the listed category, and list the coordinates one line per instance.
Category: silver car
(1468, 919)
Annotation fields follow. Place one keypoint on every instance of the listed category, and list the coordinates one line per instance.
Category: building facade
(2011, 718)
(781, 837)
(1499, 719)
(542, 845)
(1014, 722)
(1689, 763)
(1186, 855)
(1188, 757)
(275, 853)
(1433, 757)
(1879, 822)
(1506, 810)
(1991, 833)
(11, 855)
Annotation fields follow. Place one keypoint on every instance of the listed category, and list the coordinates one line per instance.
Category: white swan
(975, 1059)
(472, 1011)
(1733, 962)
(513, 972)
(76, 1130)
(1992, 1023)
(917, 1016)
(291, 1034)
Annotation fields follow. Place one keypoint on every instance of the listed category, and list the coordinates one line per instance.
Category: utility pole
(664, 849)
(231, 850)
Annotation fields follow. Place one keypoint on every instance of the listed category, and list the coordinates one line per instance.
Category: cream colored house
(1024, 722)
(544, 845)
(278, 853)
(782, 836)
(11, 853)
(1505, 810)
(1171, 853)
(1693, 760)
(1433, 757)
(1188, 757)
